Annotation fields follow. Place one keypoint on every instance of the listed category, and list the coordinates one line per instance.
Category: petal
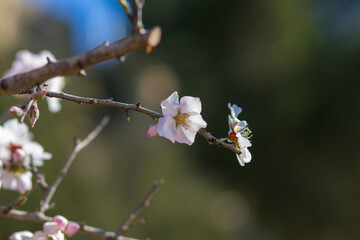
(152, 131)
(54, 104)
(244, 157)
(184, 136)
(190, 104)
(61, 221)
(72, 229)
(19, 131)
(196, 122)
(171, 105)
(36, 151)
(21, 235)
(234, 109)
(24, 183)
(167, 127)
(50, 227)
(8, 180)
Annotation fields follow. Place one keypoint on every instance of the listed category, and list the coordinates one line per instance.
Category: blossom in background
(26, 61)
(181, 121)
(55, 230)
(17, 152)
(239, 134)
(23, 235)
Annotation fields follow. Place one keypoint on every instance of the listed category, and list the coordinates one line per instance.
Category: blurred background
(293, 66)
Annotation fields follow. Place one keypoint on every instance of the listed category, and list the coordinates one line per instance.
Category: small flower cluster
(17, 153)
(57, 229)
(26, 61)
(239, 134)
(182, 120)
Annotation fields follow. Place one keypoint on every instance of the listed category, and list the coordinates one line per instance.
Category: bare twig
(125, 226)
(105, 103)
(28, 105)
(79, 146)
(74, 65)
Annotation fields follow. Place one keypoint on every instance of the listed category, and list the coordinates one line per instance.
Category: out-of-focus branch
(125, 226)
(79, 145)
(77, 64)
(41, 218)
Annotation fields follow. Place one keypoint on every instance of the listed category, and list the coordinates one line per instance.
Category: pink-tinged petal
(190, 104)
(152, 131)
(61, 221)
(23, 235)
(50, 227)
(196, 122)
(72, 229)
(167, 127)
(55, 84)
(184, 136)
(170, 106)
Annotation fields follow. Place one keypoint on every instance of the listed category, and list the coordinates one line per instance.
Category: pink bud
(152, 131)
(71, 229)
(50, 227)
(61, 221)
(16, 111)
(34, 113)
(40, 95)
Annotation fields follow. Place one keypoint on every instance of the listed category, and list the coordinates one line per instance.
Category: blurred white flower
(239, 134)
(26, 61)
(50, 231)
(17, 152)
(23, 235)
(181, 121)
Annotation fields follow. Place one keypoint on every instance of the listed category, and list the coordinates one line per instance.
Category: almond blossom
(17, 153)
(55, 230)
(181, 121)
(239, 134)
(26, 61)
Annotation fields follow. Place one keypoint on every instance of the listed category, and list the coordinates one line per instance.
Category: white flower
(50, 231)
(240, 134)
(26, 61)
(23, 235)
(17, 152)
(182, 120)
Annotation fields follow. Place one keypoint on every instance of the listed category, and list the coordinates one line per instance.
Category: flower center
(232, 137)
(182, 119)
(246, 132)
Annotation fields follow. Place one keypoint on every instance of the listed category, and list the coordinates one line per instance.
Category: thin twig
(76, 64)
(28, 105)
(105, 103)
(124, 227)
(79, 146)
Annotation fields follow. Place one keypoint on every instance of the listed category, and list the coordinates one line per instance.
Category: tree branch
(136, 107)
(77, 64)
(45, 203)
(124, 227)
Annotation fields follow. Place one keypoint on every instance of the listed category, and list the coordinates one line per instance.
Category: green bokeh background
(299, 91)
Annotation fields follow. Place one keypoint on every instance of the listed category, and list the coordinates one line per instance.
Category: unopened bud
(152, 131)
(34, 114)
(16, 111)
(71, 229)
(39, 95)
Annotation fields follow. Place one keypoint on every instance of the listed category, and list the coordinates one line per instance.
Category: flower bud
(61, 221)
(39, 95)
(16, 111)
(71, 229)
(34, 113)
(152, 131)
